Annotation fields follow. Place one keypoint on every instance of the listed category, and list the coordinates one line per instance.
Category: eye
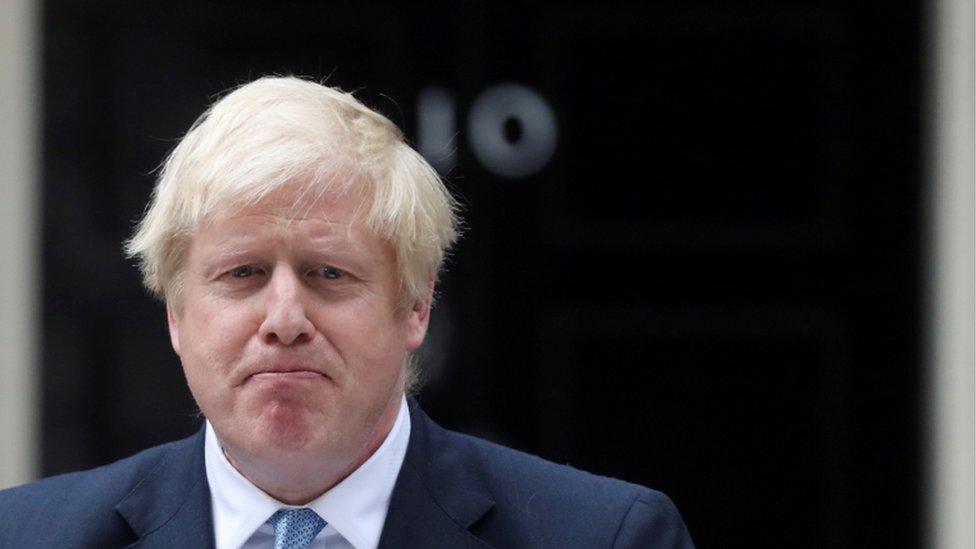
(330, 273)
(243, 271)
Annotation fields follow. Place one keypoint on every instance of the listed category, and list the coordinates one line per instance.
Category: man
(296, 241)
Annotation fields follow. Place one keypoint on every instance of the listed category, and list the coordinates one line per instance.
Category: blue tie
(295, 528)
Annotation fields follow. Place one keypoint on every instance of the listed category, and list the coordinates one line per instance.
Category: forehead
(288, 214)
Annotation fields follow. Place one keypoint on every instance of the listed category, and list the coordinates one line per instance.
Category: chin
(286, 425)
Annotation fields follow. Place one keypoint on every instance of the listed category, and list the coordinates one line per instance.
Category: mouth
(293, 374)
(286, 374)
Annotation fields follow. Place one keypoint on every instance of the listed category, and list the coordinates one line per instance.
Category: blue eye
(243, 271)
(331, 272)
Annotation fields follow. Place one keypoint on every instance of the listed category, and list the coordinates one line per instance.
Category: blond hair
(281, 131)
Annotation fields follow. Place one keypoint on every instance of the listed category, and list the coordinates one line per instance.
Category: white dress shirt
(354, 509)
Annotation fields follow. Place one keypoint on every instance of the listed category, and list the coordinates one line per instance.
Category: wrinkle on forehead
(339, 203)
(264, 231)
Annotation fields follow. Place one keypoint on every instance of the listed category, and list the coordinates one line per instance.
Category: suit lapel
(170, 507)
(439, 492)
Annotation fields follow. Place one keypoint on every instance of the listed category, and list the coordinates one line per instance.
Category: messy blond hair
(280, 131)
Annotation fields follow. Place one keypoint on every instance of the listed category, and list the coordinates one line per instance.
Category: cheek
(369, 338)
(215, 335)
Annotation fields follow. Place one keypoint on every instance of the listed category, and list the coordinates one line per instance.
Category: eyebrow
(241, 247)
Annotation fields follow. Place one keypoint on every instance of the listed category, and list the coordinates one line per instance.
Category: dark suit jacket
(453, 491)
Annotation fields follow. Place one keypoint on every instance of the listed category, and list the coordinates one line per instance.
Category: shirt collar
(356, 507)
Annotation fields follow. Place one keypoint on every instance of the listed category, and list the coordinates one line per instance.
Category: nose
(285, 320)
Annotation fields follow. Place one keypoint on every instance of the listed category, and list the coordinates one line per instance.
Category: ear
(174, 327)
(418, 319)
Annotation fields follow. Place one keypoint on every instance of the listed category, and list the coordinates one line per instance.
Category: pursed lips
(296, 373)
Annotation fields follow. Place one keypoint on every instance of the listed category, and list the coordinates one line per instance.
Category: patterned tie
(295, 528)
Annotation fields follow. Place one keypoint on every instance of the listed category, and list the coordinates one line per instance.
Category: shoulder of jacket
(89, 489)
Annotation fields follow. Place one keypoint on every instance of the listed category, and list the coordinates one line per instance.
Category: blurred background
(723, 249)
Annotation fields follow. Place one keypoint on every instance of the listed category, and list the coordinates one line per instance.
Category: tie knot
(295, 528)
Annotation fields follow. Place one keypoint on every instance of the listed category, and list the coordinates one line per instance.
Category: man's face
(289, 332)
